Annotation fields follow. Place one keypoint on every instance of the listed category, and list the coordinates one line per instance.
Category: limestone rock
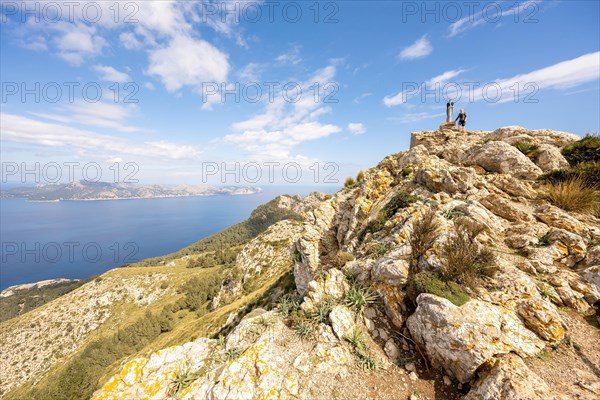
(549, 157)
(342, 321)
(461, 339)
(542, 318)
(501, 157)
(391, 270)
(508, 378)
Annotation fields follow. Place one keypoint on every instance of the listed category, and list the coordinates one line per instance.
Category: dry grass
(463, 259)
(573, 195)
(425, 232)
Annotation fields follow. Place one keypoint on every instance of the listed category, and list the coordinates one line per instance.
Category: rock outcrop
(361, 243)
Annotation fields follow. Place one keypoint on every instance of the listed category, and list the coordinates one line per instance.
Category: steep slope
(53, 348)
(484, 287)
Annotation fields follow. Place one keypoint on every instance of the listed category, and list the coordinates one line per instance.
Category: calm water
(78, 239)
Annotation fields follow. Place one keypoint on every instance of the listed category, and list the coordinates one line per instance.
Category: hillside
(465, 267)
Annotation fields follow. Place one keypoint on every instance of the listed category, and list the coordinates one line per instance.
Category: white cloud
(356, 128)
(19, 129)
(250, 72)
(99, 114)
(130, 41)
(149, 85)
(438, 81)
(560, 76)
(415, 117)
(110, 74)
(273, 134)
(188, 61)
(291, 57)
(419, 49)
(77, 42)
(358, 99)
(480, 17)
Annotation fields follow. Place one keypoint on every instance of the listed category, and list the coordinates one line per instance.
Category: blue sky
(368, 61)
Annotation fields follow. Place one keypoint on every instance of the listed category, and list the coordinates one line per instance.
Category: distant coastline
(97, 191)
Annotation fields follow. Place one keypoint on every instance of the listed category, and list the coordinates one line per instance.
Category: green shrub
(588, 172)
(376, 250)
(463, 260)
(374, 225)
(584, 150)
(200, 290)
(358, 297)
(350, 183)
(400, 200)
(322, 310)
(529, 149)
(406, 171)
(360, 177)
(288, 304)
(430, 282)
(342, 258)
(304, 330)
(297, 256)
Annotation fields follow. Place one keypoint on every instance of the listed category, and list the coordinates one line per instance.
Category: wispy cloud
(476, 19)
(110, 74)
(99, 114)
(356, 128)
(274, 133)
(419, 49)
(291, 57)
(403, 96)
(415, 117)
(19, 129)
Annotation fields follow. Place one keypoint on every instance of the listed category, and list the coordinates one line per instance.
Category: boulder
(461, 339)
(501, 157)
(342, 321)
(542, 318)
(549, 157)
(508, 378)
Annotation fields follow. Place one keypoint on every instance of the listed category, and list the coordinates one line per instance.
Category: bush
(400, 200)
(430, 282)
(350, 183)
(424, 234)
(374, 225)
(573, 195)
(360, 177)
(200, 290)
(342, 258)
(463, 259)
(358, 297)
(287, 305)
(588, 172)
(321, 312)
(529, 149)
(376, 250)
(584, 150)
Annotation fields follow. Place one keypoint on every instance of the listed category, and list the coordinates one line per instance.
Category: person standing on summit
(449, 107)
(462, 120)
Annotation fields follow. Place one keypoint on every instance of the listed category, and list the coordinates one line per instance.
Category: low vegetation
(528, 149)
(358, 297)
(425, 232)
(573, 194)
(365, 359)
(24, 300)
(588, 172)
(463, 259)
(432, 283)
(400, 200)
(582, 151)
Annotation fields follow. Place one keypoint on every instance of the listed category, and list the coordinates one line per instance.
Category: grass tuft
(573, 195)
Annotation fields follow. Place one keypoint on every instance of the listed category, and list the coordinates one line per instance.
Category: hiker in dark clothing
(449, 107)
(462, 119)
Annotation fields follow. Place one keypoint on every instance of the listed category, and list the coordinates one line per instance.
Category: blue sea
(79, 239)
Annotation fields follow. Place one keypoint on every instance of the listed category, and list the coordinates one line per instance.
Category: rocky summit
(449, 270)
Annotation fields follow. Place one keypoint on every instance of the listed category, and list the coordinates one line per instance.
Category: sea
(80, 239)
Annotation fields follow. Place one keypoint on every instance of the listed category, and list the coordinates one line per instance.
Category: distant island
(87, 190)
